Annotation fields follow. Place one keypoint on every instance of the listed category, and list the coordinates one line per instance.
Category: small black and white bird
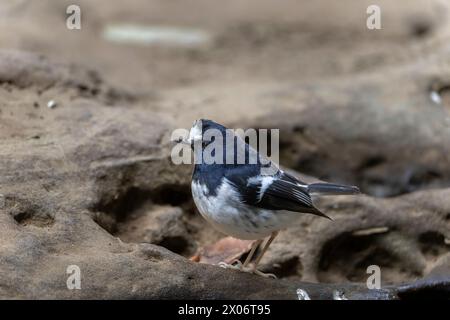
(242, 201)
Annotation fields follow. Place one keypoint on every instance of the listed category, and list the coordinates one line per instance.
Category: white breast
(228, 214)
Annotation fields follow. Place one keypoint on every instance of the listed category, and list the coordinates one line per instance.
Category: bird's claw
(237, 265)
(265, 275)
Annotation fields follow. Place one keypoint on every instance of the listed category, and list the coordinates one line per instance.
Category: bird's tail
(332, 189)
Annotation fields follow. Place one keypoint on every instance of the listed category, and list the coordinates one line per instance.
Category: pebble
(435, 97)
(302, 294)
(51, 104)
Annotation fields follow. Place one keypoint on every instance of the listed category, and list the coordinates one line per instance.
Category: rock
(162, 225)
(34, 262)
(404, 236)
(81, 155)
(34, 267)
(22, 70)
(90, 183)
(387, 140)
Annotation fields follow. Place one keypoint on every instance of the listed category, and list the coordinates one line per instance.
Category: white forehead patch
(195, 134)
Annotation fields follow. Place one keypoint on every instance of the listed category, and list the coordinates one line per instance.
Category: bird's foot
(265, 275)
(236, 264)
(257, 272)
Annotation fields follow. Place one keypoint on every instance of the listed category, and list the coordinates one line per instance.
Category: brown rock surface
(89, 182)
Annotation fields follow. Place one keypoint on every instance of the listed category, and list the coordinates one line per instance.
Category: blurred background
(86, 116)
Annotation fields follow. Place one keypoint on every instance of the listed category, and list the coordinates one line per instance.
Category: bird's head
(212, 142)
(203, 132)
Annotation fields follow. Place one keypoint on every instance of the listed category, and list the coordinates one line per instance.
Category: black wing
(279, 192)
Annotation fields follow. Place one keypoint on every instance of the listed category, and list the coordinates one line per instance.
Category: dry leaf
(225, 250)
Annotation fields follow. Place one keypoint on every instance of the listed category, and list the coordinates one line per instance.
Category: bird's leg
(258, 259)
(236, 264)
(251, 253)
(266, 246)
(244, 267)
